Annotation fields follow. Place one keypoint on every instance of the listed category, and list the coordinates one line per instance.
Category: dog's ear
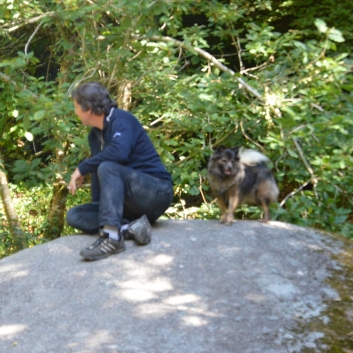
(235, 150)
(220, 148)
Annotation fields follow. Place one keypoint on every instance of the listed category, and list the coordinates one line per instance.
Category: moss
(338, 332)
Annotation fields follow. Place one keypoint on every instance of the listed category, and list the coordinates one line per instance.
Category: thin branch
(83, 46)
(201, 191)
(180, 161)
(31, 37)
(321, 55)
(48, 68)
(231, 132)
(157, 120)
(135, 56)
(152, 3)
(179, 57)
(317, 107)
(294, 192)
(31, 20)
(307, 165)
(210, 58)
(245, 71)
(248, 137)
(239, 55)
(209, 135)
(298, 128)
(343, 192)
(80, 80)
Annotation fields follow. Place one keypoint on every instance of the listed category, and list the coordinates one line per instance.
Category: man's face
(85, 117)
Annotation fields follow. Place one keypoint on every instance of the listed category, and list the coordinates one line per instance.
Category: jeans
(125, 195)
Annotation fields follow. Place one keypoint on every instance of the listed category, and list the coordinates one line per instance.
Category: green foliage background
(295, 56)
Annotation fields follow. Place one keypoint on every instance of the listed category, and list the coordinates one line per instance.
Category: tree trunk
(56, 216)
(11, 215)
(125, 96)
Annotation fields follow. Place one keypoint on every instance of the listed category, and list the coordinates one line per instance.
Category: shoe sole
(100, 256)
(143, 237)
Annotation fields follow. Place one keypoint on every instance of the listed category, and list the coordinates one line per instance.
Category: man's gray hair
(94, 96)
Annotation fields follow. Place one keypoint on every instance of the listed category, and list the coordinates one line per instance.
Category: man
(129, 181)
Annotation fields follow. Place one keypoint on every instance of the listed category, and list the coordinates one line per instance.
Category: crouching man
(131, 188)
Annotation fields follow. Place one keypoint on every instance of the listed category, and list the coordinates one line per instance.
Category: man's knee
(71, 217)
(107, 168)
(104, 168)
(84, 218)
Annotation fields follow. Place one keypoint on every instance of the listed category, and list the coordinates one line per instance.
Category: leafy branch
(209, 57)
(29, 21)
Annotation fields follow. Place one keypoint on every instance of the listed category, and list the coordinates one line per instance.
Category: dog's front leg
(223, 207)
(265, 205)
(232, 205)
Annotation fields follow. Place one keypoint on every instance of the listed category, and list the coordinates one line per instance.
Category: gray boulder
(199, 287)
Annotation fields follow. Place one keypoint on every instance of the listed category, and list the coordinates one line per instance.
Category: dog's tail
(251, 157)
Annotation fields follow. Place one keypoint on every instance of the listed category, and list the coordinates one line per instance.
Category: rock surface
(199, 287)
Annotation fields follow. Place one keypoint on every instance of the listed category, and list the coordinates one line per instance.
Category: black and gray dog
(238, 176)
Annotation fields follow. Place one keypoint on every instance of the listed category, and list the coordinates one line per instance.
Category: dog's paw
(223, 219)
(229, 219)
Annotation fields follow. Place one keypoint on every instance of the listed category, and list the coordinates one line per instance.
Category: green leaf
(21, 166)
(35, 163)
(26, 123)
(38, 115)
(194, 190)
(292, 153)
(321, 25)
(206, 97)
(335, 35)
(6, 63)
(28, 136)
(340, 219)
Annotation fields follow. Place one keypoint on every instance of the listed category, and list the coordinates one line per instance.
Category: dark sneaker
(103, 247)
(139, 230)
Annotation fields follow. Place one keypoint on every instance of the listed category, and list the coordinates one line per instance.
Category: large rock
(199, 287)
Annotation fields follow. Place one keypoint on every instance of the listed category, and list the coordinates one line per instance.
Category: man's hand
(75, 181)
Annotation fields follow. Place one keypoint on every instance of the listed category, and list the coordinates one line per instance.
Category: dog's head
(224, 161)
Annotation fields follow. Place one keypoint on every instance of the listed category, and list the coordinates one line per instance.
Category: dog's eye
(223, 160)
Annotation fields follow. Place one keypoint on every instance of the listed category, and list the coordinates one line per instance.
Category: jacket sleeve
(118, 150)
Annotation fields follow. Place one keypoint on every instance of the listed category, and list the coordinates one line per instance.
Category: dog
(236, 176)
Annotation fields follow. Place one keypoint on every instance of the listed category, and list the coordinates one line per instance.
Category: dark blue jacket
(122, 140)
